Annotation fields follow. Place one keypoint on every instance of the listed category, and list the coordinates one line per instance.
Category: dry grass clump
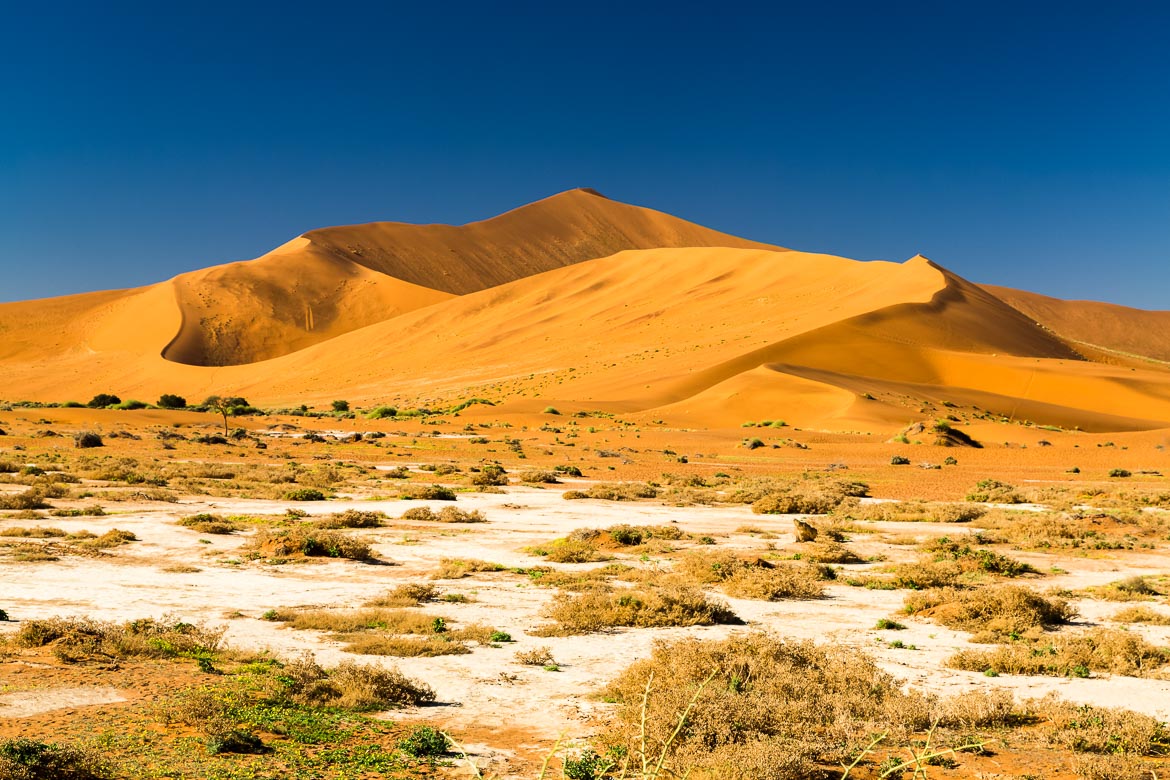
(992, 491)
(405, 595)
(915, 512)
(751, 579)
(457, 568)
(352, 686)
(396, 632)
(978, 559)
(641, 607)
(36, 532)
(536, 656)
(28, 759)
(569, 550)
(992, 613)
(33, 498)
(1085, 728)
(614, 491)
(206, 523)
(305, 540)
(351, 518)
(539, 477)
(448, 514)
(1136, 588)
(427, 493)
(828, 552)
(1071, 530)
(80, 639)
(994, 708)
(1074, 655)
(1141, 614)
(762, 707)
(587, 579)
(115, 537)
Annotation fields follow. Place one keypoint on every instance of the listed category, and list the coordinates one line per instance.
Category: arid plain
(584, 490)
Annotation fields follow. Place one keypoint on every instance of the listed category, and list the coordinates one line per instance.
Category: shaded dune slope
(1114, 329)
(338, 279)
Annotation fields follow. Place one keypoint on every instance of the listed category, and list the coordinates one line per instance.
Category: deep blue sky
(1026, 146)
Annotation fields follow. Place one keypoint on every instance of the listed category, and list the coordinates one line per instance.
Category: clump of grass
(614, 491)
(571, 549)
(539, 477)
(751, 579)
(351, 518)
(206, 523)
(36, 532)
(304, 494)
(992, 613)
(28, 759)
(305, 540)
(976, 558)
(427, 493)
(812, 494)
(641, 607)
(448, 514)
(992, 491)
(1141, 614)
(536, 656)
(33, 498)
(765, 706)
(115, 537)
(352, 686)
(1075, 655)
(914, 512)
(457, 568)
(1085, 728)
(406, 595)
(80, 639)
(1137, 588)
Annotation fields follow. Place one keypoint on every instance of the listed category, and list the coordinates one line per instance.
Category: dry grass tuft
(81, 639)
(1141, 614)
(993, 613)
(305, 540)
(1076, 655)
(457, 568)
(406, 595)
(641, 607)
(614, 491)
(751, 579)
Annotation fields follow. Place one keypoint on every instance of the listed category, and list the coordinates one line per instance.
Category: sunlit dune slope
(702, 336)
(1117, 329)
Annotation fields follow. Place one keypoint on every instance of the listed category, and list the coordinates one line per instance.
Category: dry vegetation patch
(992, 613)
(305, 540)
(635, 607)
(752, 578)
(1071, 655)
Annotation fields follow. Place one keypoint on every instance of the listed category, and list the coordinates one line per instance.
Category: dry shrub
(992, 491)
(33, 498)
(457, 568)
(450, 514)
(539, 476)
(537, 656)
(427, 493)
(78, 639)
(587, 579)
(641, 607)
(1085, 728)
(978, 709)
(405, 595)
(828, 552)
(572, 549)
(926, 574)
(614, 491)
(37, 532)
(916, 512)
(1141, 614)
(351, 518)
(404, 646)
(975, 559)
(773, 710)
(1067, 530)
(1137, 588)
(352, 686)
(1075, 655)
(115, 537)
(751, 579)
(1093, 766)
(209, 524)
(305, 540)
(27, 759)
(995, 612)
(394, 621)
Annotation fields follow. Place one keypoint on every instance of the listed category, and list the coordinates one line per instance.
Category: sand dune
(710, 336)
(1120, 330)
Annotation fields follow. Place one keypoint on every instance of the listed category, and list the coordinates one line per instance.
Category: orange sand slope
(1118, 330)
(331, 281)
(703, 336)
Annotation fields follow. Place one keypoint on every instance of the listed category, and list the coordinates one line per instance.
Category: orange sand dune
(1113, 329)
(338, 279)
(705, 336)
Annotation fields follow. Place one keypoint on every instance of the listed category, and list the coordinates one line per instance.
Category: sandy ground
(497, 703)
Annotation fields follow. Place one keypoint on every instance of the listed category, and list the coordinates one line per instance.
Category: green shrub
(27, 759)
(382, 412)
(341, 406)
(103, 400)
(170, 401)
(424, 742)
(304, 494)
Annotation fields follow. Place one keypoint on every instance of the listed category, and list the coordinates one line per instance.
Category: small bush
(538, 476)
(537, 656)
(899, 460)
(424, 742)
(637, 607)
(169, 401)
(1078, 655)
(205, 523)
(490, 475)
(615, 491)
(428, 493)
(351, 518)
(995, 612)
(1120, 473)
(304, 540)
(27, 759)
(104, 400)
(87, 440)
(304, 494)
(992, 491)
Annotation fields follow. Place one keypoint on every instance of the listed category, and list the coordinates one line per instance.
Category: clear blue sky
(1025, 144)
